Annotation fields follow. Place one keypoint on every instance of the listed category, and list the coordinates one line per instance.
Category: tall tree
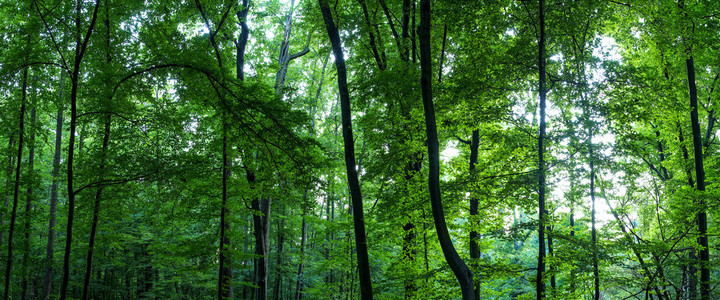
(542, 212)
(366, 291)
(458, 266)
(16, 190)
(80, 49)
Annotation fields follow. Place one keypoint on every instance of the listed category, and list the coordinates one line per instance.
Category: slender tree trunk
(700, 180)
(377, 51)
(409, 254)
(74, 78)
(474, 205)
(262, 231)
(242, 39)
(408, 8)
(542, 213)
(442, 53)
(240, 47)
(28, 201)
(50, 249)
(692, 256)
(303, 238)
(551, 253)
(596, 272)
(353, 182)
(16, 190)
(8, 184)
(101, 172)
(278, 265)
(96, 209)
(458, 266)
(225, 270)
(572, 225)
(413, 38)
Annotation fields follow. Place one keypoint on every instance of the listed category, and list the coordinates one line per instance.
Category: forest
(359, 149)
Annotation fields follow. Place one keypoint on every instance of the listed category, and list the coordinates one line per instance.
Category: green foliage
(617, 89)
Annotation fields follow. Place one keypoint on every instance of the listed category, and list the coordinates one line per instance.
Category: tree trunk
(542, 213)
(700, 183)
(80, 47)
(353, 182)
(303, 239)
(101, 172)
(551, 253)
(692, 256)
(458, 266)
(16, 190)
(28, 201)
(474, 205)
(96, 209)
(572, 225)
(278, 265)
(8, 184)
(261, 223)
(225, 271)
(50, 249)
(378, 54)
(242, 40)
(285, 57)
(596, 272)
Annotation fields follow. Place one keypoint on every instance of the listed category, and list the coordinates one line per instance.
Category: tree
(349, 143)
(460, 269)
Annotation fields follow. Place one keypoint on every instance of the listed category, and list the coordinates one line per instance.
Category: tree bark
(458, 266)
(353, 182)
(16, 190)
(261, 223)
(50, 249)
(474, 205)
(242, 40)
(700, 182)
(542, 213)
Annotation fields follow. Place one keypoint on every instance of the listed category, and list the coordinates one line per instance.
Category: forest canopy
(359, 149)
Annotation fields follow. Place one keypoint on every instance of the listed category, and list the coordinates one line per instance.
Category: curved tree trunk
(458, 266)
(350, 166)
